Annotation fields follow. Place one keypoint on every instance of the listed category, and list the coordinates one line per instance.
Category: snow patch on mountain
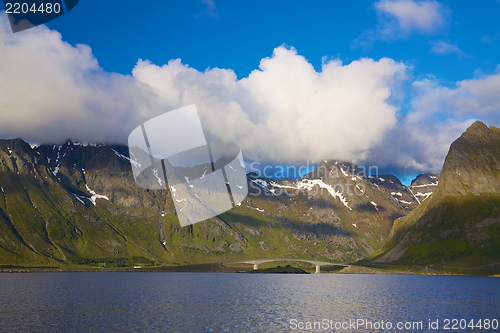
(308, 184)
(56, 170)
(95, 196)
(343, 172)
(424, 185)
(426, 195)
(133, 162)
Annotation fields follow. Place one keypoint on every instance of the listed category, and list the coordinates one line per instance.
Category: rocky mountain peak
(477, 130)
(473, 162)
(425, 179)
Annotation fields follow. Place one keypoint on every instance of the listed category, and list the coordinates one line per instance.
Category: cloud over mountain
(438, 114)
(283, 112)
(286, 111)
(50, 91)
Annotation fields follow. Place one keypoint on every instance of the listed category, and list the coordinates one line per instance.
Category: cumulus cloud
(283, 112)
(286, 111)
(442, 47)
(50, 91)
(398, 19)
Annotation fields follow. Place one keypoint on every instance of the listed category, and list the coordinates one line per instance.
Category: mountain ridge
(76, 204)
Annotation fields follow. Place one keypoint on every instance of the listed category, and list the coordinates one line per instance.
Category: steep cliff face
(472, 165)
(460, 222)
(76, 204)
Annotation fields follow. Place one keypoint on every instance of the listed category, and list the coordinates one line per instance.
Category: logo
(26, 14)
(205, 179)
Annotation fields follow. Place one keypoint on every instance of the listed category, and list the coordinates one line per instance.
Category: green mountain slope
(74, 204)
(459, 225)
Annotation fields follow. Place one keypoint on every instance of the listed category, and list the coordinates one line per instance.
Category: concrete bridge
(256, 262)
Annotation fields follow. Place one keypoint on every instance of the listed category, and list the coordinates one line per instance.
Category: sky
(386, 83)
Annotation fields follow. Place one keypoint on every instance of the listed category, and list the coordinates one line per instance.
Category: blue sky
(433, 64)
(238, 34)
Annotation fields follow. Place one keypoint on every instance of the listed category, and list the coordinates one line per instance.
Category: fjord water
(222, 302)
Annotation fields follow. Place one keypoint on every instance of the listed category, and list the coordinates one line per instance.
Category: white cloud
(413, 16)
(398, 19)
(437, 117)
(286, 111)
(442, 47)
(417, 145)
(50, 91)
(283, 112)
(469, 98)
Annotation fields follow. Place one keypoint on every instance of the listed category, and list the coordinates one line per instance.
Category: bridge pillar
(255, 267)
(317, 268)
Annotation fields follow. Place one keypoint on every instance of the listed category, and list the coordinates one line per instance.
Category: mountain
(459, 224)
(76, 204)
(409, 197)
(339, 195)
(423, 186)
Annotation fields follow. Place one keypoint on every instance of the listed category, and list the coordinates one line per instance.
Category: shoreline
(194, 268)
(221, 268)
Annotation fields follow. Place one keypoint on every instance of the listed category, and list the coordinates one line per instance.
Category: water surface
(222, 302)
